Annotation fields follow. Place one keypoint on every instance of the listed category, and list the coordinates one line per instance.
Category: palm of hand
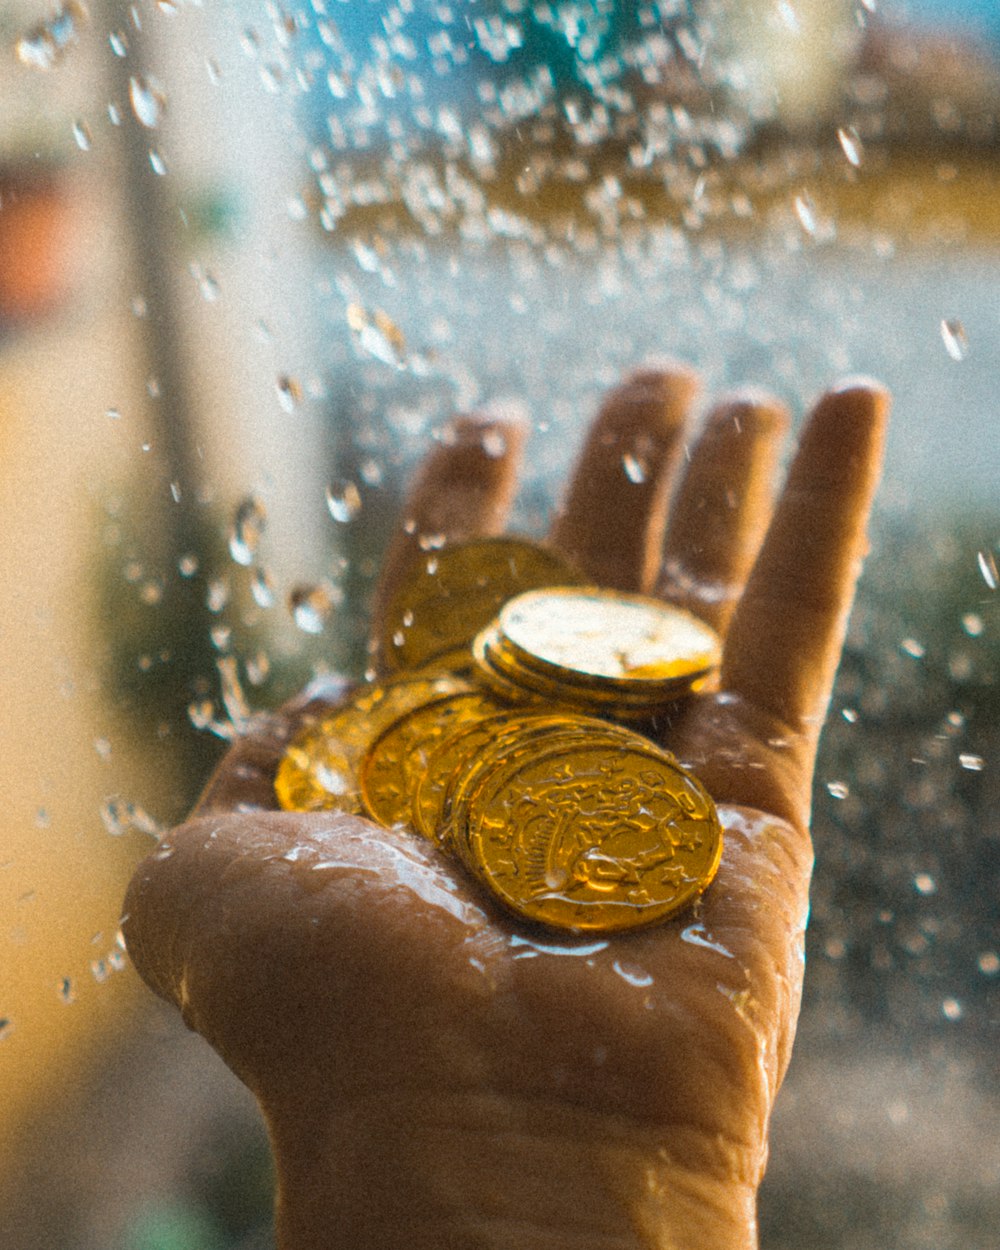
(361, 985)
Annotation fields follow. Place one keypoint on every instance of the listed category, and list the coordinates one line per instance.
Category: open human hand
(435, 1074)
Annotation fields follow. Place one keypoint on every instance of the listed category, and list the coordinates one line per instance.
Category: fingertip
(752, 411)
(656, 394)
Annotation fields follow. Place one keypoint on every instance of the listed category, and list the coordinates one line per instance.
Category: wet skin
(436, 1076)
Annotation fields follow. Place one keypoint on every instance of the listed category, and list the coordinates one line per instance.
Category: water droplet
(494, 444)
(635, 468)
(6, 1027)
(119, 43)
(925, 883)
(82, 135)
(911, 647)
(148, 101)
(217, 595)
(974, 763)
(289, 392)
(221, 636)
(988, 568)
(262, 588)
(114, 413)
(119, 816)
(248, 526)
(850, 715)
(343, 500)
(952, 1009)
(175, 491)
(156, 163)
(633, 974)
(805, 211)
(208, 284)
(214, 71)
(310, 607)
(973, 624)
(258, 668)
(65, 990)
(838, 789)
(788, 16)
(187, 565)
(989, 963)
(377, 335)
(850, 142)
(45, 45)
(103, 748)
(954, 338)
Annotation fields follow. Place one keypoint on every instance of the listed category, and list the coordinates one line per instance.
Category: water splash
(46, 45)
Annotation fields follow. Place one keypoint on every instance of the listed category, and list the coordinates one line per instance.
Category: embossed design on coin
(584, 835)
(451, 594)
(319, 770)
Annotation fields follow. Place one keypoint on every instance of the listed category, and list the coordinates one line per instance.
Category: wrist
(458, 1172)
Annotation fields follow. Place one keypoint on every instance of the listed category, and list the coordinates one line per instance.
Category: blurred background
(252, 256)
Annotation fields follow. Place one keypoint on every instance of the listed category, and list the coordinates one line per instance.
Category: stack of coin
(611, 654)
(568, 819)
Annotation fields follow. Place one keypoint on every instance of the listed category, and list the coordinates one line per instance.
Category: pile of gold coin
(498, 737)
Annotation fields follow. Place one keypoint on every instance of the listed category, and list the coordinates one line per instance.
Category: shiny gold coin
(591, 836)
(319, 770)
(526, 733)
(395, 761)
(503, 672)
(453, 593)
(455, 755)
(628, 642)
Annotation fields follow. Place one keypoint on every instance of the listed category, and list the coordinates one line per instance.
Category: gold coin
(501, 670)
(589, 835)
(525, 734)
(454, 756)
(626, 642)
(395, 761)
(452, 593)
(319, 770)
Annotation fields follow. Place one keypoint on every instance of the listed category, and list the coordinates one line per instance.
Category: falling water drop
(805, 211)
(344, 501)
(289, 392)
(148, 101)
(988, 568)
(953, 336)
(82, 135)
(850, 142)
(262, 588)
(310, 606)
(247, 529)
(635, 468)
